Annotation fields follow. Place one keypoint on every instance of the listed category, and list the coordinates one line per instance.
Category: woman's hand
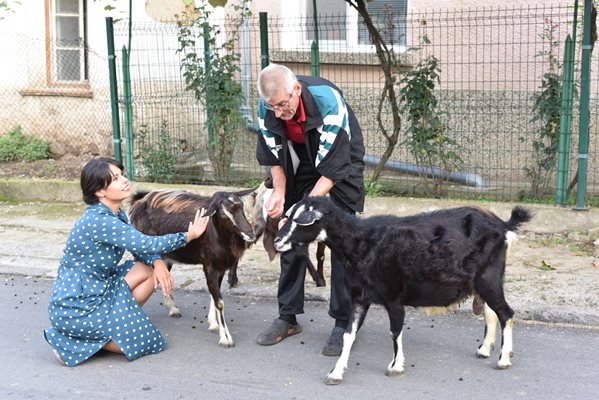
(162, 277)
(198, 226)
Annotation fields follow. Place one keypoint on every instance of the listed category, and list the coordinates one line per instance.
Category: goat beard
(301, 249)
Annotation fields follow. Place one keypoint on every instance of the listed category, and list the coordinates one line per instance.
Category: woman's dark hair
(96, 176)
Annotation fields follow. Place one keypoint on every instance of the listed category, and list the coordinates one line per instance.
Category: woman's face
(117, 191)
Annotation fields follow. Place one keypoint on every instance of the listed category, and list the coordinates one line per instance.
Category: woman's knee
(138, 274)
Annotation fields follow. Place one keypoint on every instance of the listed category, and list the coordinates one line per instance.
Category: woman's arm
(111, 230)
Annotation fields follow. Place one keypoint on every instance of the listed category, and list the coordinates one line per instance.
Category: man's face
(284, 104)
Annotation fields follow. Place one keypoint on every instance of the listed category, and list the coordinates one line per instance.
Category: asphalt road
(550, 362)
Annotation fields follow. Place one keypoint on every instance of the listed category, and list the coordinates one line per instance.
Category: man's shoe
(334, 343)
(278, 331)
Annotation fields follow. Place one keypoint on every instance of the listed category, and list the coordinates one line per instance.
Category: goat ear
(246, 192)
(308, 217)
(211, 210)
(268, 241)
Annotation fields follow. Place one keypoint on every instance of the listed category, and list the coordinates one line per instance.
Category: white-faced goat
(268, 227)
(426, 260)
(219, 249)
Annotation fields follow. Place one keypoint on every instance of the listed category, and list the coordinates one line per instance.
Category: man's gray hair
(272, 78)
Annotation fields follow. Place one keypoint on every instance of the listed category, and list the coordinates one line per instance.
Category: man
(312, 142)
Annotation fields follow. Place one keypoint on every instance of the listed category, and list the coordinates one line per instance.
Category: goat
(426, 260)
(227, 236)
(268, 227)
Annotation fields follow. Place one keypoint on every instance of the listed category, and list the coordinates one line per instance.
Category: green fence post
(264, 58)
(129, 167)
(565, 129)
(114, 93)
(585, 88)
(314, 48)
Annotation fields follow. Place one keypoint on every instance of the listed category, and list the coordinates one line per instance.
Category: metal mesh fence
(74, 119)
(492, 63)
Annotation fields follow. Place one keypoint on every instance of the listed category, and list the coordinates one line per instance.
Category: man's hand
(162, 277)
(275, 205)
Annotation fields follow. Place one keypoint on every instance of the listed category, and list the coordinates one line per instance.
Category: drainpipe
(246, 61)
(114, 92)
(585, 88)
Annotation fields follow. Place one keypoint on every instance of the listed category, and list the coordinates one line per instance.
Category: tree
(389, 60)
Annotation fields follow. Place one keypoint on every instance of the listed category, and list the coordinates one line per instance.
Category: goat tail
(519, 216)
(137, 196)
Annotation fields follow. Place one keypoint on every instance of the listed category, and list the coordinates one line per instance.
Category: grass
(48, 210)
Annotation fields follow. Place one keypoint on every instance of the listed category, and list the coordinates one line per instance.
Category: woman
(96, 302)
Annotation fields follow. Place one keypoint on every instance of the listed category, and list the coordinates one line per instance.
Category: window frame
(51, 48)
(297, 38)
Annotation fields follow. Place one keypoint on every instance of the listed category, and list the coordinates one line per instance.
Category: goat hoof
(175, 314)
(393, 372)
(320, 282)
(481, 355)
(332, 381)
(226, 344)
(503, 366)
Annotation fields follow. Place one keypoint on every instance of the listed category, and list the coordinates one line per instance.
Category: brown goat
(268, 228)
(219, 249)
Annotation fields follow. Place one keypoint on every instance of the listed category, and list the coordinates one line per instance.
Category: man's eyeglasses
(280, 106)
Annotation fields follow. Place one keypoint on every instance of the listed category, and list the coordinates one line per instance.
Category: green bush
(15, 146)
(160, 157)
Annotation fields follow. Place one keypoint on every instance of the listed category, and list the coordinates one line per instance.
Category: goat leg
(232, 276)
(320, 281)
(317, 274)
(497, 309)
(169, 301)
(484, 350)
(312, 271)
(397, 315)
(173, 310)
(216, 315)
(335, 377)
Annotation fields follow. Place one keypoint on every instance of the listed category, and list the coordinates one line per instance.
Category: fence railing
(493, 64)
(493, 61)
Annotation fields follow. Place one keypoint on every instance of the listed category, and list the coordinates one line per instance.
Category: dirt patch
(67, 167)
(552, 272)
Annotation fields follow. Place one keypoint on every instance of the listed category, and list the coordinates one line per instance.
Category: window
(67, 44)
(341, 27)
(390, 17)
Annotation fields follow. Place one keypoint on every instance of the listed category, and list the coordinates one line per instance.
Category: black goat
(227, 236)
(426, 260)
(268, 227)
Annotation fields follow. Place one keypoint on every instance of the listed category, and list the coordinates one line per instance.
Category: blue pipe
(464, 178)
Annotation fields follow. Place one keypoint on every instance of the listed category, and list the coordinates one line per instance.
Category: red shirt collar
(301, 113)
(294, 128)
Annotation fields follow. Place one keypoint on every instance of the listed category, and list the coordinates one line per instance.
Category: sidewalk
(551, 274)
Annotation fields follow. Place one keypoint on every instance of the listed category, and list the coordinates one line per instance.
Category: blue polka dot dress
(91, 302)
